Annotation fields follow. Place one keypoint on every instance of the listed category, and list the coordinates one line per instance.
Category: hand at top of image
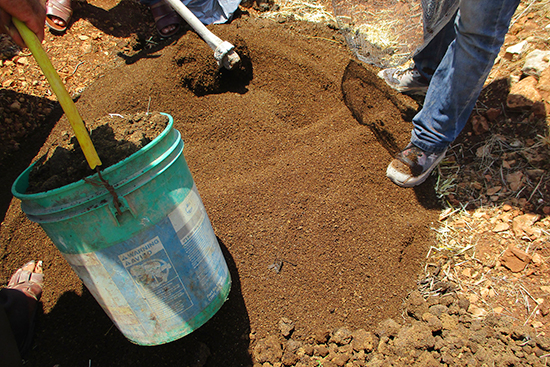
(30, 12)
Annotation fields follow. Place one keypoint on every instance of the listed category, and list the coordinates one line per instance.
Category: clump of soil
(115, 137)
(438, 331)
(202, 75)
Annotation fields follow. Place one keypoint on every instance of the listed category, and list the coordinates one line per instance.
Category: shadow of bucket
(155, 268)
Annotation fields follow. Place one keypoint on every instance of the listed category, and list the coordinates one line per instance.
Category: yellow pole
(33, 43)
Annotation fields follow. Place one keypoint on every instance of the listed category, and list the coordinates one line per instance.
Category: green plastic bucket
(156, 267)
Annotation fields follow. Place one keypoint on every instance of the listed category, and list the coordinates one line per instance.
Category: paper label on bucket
(165, 275)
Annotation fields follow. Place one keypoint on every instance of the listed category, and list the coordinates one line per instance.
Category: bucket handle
(122, 207)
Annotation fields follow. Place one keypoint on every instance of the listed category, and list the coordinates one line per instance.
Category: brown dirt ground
(286, 172)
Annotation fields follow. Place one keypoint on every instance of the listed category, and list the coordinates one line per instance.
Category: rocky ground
(485, 297)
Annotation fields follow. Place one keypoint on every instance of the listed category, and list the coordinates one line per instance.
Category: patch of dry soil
(289, 178)
(318, 243)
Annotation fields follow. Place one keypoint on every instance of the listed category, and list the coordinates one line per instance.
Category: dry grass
(309, 11)
(467, 259)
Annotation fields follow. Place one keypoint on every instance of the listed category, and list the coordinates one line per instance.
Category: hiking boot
(408, 81)
(412, 166)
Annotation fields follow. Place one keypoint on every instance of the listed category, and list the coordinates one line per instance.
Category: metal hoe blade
(224, 52)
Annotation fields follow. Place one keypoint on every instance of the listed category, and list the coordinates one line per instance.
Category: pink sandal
(60, 9)
(28, 282)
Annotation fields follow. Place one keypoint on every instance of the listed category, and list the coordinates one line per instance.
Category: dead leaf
(515, 180)
(493, 190)
(480, 125)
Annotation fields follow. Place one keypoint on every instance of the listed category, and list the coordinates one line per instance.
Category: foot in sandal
(18, 306)
(29, 280)
(168, 22)
(58, 15)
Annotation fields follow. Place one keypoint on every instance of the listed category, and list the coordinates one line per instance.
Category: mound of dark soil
(293, 184)
(114, 138)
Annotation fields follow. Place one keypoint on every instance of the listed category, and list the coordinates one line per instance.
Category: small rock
(506, 207)
(23, 61)
(320, 350)
(289, 358)
(341, 336)
(418, 336)
(501, 227)
(321, 336)
(15, 106)
(388, 328)
(476, 311)
(464, 303)
(286, 326)
(467, 272)
(268, 350)
(523, 224)
(544, 342)
(449, 322)
(82, 37)
(293, 345)
(433, 322)
(523, 94)
(364, 340)
(514, 259)
(515, 51)
(536, 62)
(86, 47)
(537, 259)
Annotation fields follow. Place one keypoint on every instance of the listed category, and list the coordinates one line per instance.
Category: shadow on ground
(16, 155)
(78, 323)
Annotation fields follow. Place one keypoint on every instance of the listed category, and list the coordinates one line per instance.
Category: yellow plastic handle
(33, 43)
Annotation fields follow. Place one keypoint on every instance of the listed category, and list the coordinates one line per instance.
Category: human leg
(8, 344)
(415, 79)
(457, 81)
(429, 57)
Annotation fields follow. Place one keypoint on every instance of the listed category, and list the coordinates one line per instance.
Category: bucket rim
(68, 187)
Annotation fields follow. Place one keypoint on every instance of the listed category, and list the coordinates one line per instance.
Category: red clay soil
(288, 175)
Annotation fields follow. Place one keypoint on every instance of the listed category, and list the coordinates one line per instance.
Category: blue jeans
(460, 58)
